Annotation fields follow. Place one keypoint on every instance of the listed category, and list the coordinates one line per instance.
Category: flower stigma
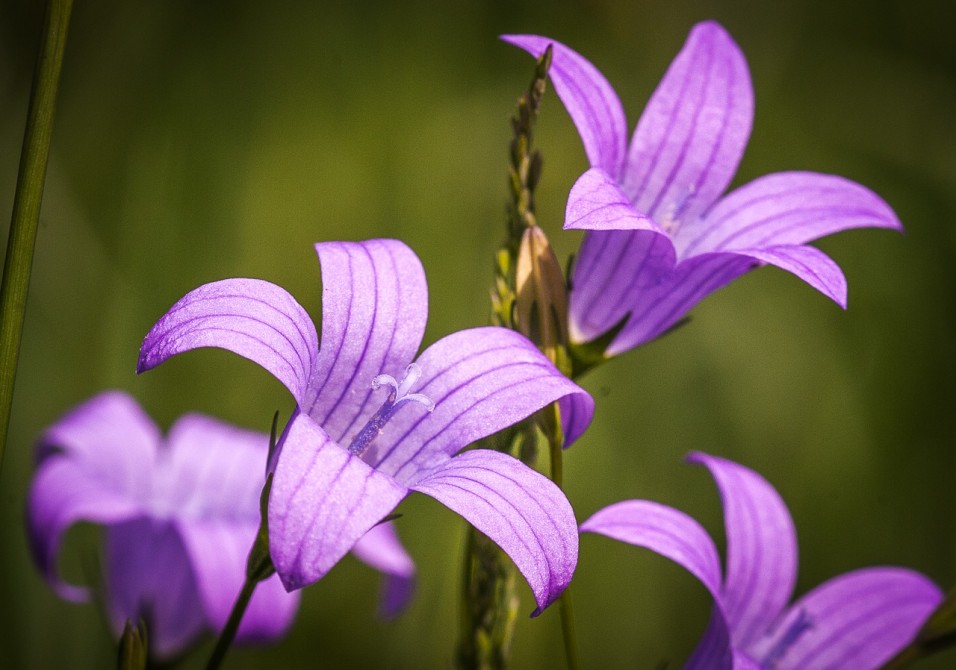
(398, 396)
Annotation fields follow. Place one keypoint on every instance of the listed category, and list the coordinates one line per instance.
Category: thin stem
(232, 625)
(555, 444)
(27, 199)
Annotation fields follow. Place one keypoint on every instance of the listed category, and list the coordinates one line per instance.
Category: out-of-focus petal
(520, 509)
(95, 465)
(809, 264)
(761, 548)
(693, 132)
(374, 309)
(323, 501)
(214, 471)
(596, 202)
(250, 317)
(148, 574)
(64, 492)
(592, 103)
(653, 309)
(859, 620)
(381, 549)
(110, 429)
(664, 530)
(714, 651)
(615, 270)
(218, 550)
(784, 208)
(481, 381)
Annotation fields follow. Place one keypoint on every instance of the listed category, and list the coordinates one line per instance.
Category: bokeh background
(197, 141)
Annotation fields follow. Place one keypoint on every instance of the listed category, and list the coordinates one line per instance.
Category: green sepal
(133, 647)
(587, 355)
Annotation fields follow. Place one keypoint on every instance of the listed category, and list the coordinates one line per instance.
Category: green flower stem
(27, 199)
(259, 568)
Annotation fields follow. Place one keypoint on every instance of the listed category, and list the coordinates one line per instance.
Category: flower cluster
(377, 418)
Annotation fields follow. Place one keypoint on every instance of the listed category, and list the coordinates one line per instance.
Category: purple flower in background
(179, 514)
(660, 238)
(352, 449)
(857, 620)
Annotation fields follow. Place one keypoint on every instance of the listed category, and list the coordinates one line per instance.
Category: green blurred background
(196, 141)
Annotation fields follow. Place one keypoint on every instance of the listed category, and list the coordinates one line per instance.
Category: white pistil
(398, 396)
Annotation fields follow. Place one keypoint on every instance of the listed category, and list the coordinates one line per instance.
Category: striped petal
(250, 317)
(520, 509)
(784, 208)
(374, 309)
(381, 549)
(653, 308)
(95, 465)
(860, 620)
(664, 530)
(809, 264)
(614, 273)
(481, 381)
(323, 501)
(693, 132)
(592, 103)
(761, 548)
(596, 202)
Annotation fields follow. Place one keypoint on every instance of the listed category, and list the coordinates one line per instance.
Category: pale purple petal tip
(596, 202)
(693, 132)
(664, 530)
(250, 317)
(761, 548)
(589, 98)
(520, 509)
(809, 264)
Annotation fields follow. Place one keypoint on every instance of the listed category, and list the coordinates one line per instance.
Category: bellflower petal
(692, 134)
(784, 208)
(249, 317)
(596, 202)
(381, 549)
(665, 530)
(662, 306)
(615, 269)
(374, 309)
(761, 548)
(81, 477)
(714, 651)
(857, 620)
(365, 432)
(323, 501)
(591, 102)
(148, 574)
(682, 156)
(481, 380)
(180, 515)
(860, 619)
(809, 263)
(524, 512)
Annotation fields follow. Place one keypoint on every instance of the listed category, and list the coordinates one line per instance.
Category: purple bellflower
(857, 620)
(659, 236)
(179, 515)
(371, 425)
